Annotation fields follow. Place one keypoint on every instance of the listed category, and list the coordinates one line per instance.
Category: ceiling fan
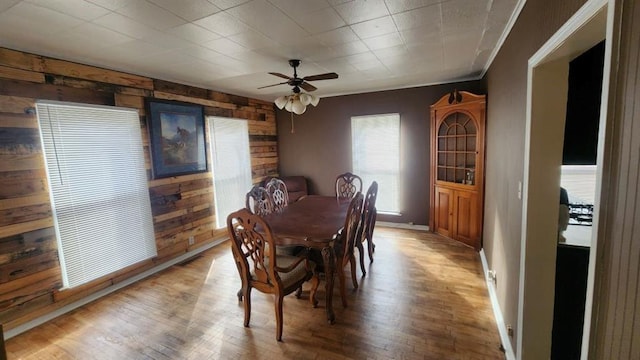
(298, 82)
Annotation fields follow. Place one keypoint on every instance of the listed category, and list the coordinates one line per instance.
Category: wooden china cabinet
(457, 167)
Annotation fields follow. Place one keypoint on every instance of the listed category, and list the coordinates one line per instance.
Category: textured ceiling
(231, 45)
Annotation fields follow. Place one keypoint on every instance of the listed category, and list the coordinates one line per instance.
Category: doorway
(546, 112)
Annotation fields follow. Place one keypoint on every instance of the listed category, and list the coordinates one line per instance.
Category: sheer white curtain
(375, 143)
(231, 165)
(98, 187)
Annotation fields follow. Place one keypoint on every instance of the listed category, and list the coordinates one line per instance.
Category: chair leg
(343, 287)
(247, 305)
(314, 288)
(361, 252)
(278, 305)
(353, 271)
(371, 247)
(299, 292)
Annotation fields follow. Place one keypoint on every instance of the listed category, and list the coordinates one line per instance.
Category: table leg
(328, 257)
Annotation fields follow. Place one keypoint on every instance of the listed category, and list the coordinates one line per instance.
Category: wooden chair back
(369, 214)
(254, 251)
(277, 189)
(350, 231)
(258, 201)
(347, 185)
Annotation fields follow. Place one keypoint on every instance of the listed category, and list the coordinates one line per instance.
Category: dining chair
(368, 223)
(347, 185)
(277, 189)
(344, 248)
(258, 201)
(253, 248)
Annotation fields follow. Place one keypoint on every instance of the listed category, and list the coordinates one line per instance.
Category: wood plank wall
(30, 275)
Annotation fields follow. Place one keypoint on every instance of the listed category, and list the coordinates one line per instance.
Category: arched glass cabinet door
(457, 144)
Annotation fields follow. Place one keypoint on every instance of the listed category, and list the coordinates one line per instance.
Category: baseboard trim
(67, 308)
(402, 225)
(497, 312)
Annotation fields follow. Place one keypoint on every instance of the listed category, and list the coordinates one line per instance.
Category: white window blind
(231, 165)
(375, 142)
(98, 185)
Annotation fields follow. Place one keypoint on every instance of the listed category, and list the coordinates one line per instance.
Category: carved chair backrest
(369, 211)
(252, 244)
(347, 185)
(277, 189)
(259, 201)
(351, 231)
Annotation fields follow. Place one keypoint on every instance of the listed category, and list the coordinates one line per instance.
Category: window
(98, 186)
(231, 165)
(375, 143)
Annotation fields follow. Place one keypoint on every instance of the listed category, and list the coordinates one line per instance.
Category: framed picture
(177, 138)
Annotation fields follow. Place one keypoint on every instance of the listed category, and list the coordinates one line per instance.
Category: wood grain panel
(215, 111)
(19, 141)
(24, 227)
(61, 67)
(26, 242)
(18, 74)
(130, 101)
(185, 227)
(263, 161)
(12, 120)
(174, 180)
(10, 203)
(21, 60)
(24, 213)
(229, 98)
(188, 218)
(29, 264)
(16, 104)
(180, 89)
(35, 174)
(32, 305)
(33, 286)
(176, 97)
(54, 92)
(21, 162)
(164, 204)
(94, 85)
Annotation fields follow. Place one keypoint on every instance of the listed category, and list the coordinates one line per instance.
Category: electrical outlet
(192, 240)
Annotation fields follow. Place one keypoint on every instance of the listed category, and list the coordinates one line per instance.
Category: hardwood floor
(424, 297)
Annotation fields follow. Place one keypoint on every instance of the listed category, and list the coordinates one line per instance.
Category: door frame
(547, 84)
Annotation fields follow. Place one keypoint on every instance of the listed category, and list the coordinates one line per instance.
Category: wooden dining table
(313, 222)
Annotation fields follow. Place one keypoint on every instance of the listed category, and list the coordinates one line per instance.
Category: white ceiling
(231, 45)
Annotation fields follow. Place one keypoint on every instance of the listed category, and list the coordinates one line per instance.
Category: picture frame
(177, 140)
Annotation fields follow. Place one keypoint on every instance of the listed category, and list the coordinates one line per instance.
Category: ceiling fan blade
(281, 75)
(308, 87)
(326, 76)
(282, 83)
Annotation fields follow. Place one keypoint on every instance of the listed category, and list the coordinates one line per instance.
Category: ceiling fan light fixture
(314, 99)
(298, 107)
(296, 102)
(305, 99)
(282, 101)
